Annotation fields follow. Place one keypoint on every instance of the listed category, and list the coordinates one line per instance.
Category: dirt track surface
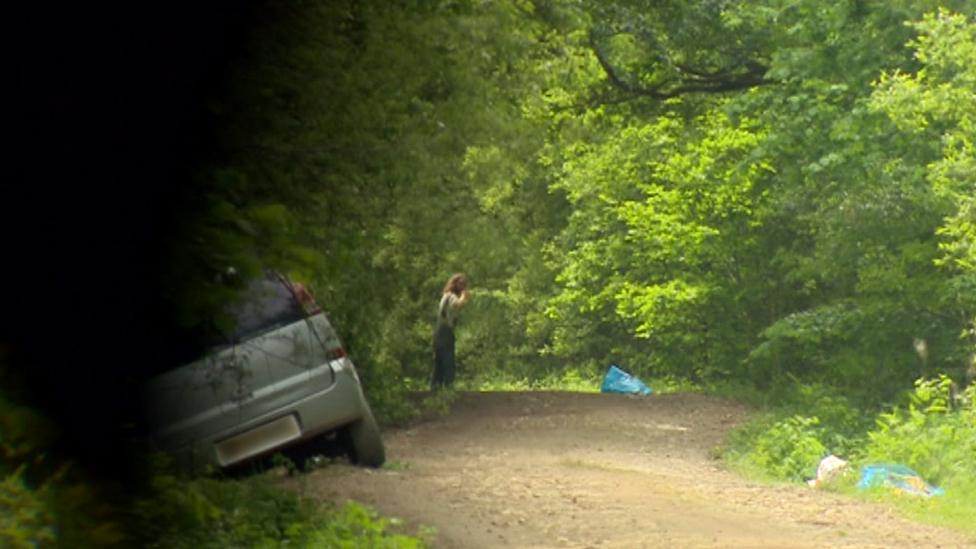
(534, 470)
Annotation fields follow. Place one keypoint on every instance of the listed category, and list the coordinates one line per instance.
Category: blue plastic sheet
(619, 381)
(897, 476)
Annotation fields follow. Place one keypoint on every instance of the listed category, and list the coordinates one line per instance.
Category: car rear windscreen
(265, 305)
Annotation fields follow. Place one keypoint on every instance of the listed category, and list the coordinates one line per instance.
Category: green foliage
(567, 380)
(230, 245)
(955, 509)
(26, 519)
(376, 203)
(256, 512)
(44, 499)
(933, 434)
(789, 226)
(790, 448)
(799, 424)
(935, 105)
(355, 525)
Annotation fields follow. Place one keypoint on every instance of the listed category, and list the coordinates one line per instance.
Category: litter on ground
(619, 381)
(830, 468)
(899, 477)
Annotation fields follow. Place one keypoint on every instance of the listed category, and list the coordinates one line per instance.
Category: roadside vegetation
(46, 499)
(257, 512)
(929, 429)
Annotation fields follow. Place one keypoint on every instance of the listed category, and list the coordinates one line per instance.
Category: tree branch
(698, 81)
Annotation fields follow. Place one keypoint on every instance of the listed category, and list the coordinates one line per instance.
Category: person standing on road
(454, 297)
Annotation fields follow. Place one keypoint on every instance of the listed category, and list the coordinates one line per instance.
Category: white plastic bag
(830, 468)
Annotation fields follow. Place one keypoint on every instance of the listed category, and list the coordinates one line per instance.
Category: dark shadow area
(108, 118)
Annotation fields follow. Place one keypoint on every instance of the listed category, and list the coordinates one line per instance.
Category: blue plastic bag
(619, 381)
(897, 476)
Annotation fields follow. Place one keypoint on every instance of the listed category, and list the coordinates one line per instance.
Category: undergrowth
(46, 500)
(569, 380)
(256, 512)
(930, 431)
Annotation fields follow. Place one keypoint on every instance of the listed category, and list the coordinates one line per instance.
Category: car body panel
(276, 386)
(316, 414)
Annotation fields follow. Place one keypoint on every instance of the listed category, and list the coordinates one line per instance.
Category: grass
(394, 465)
(575, 381)
(955, 510)
(570, 381)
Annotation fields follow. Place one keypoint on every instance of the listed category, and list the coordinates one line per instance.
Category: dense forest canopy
(751, 190)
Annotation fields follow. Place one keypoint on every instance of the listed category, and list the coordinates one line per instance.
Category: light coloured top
(447, 311)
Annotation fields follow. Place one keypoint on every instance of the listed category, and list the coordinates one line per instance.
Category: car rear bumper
(319, 413)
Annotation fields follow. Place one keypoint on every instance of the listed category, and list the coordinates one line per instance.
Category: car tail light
(336, 353)
(305, 297)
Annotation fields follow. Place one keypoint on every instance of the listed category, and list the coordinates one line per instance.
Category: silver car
(281, 378)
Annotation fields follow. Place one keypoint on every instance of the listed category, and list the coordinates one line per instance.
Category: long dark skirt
(443, 357)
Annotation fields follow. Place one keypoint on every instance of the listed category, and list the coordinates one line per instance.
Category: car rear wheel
(367, 444)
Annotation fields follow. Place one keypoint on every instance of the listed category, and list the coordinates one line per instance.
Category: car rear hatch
(275, 360)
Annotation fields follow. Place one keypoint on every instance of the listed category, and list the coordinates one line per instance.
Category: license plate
(257, 440)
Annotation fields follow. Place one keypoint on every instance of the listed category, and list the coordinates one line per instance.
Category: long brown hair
(456, 284)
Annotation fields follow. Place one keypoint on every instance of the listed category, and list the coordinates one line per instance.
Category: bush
(933, 435)
(937, 437)
(44, 499)
(26, 520)
(790, 449)
(354, 525)
(803, 424)
(254, 512)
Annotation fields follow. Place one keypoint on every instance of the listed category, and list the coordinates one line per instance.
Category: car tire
(367, 444)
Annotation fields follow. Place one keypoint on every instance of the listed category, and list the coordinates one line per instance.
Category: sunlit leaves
(659, 208)
(938, 104)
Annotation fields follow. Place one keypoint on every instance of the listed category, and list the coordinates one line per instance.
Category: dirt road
(591, 470)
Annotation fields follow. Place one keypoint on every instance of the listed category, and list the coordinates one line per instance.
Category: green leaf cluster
(790, 449)
(45, 500)
(935, 434)
(256, 512)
